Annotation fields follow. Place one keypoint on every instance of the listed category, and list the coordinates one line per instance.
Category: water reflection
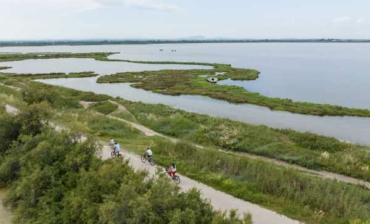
(353, 129)
(82, 65)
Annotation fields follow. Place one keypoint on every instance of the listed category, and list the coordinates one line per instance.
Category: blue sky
(79, 19)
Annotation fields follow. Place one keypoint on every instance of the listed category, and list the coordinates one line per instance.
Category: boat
(212, 80)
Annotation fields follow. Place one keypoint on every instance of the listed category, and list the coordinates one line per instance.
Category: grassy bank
(304, 149)
(290, 192)
(176, 82)
(30, 56)
(3, 68)
(52, 178)
(191, 82)
(51, 75)
(306, 198)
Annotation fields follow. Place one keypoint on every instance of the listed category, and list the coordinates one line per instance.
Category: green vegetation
(53, 178)
(3, 68)
(53, 75)
(306, 198)
(29, 56)
(104, 107)
(10, 96)
(287, 191)
(176, 82)
(304, 149)
(191, 82)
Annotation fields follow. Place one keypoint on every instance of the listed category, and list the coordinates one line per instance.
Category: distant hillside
(192, 39)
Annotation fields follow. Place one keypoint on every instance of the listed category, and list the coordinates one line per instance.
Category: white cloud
(75, 6)
(143, 4)
(344, 19)
(361, 20)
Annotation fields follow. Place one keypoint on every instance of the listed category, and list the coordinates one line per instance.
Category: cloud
(361, 20)
(55, 7)
(341, 20)
(142, 4)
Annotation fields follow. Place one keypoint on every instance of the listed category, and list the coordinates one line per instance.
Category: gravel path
(219, 200)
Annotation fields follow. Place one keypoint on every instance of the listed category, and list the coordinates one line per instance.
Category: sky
(114, 19)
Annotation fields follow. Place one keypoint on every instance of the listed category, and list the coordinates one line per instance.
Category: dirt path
(323, 174)
(219, 200)
(10, 109)
(5, 215)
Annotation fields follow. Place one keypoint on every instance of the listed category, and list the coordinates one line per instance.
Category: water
(321, 73)
(334, 73)
(345, 128)
(83, 65)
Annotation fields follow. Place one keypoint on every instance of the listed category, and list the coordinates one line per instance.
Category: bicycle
(114, 154)
(145, 158)
(174, 177)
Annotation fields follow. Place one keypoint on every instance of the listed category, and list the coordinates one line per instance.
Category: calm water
(322, 73)
(345, 128)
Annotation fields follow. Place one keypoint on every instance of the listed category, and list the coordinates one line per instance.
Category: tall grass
(104, 107)
(304, 197)
(304, 149)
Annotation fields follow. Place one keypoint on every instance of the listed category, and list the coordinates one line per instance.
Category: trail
(324, 174)
(10, 109)
(219, 200)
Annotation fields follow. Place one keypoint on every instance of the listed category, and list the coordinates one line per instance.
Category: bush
(54, 179)
(104, 107)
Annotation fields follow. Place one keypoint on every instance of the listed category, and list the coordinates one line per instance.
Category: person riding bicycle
(117, 148)
(149, 152)
(111, 142)
(171, 170)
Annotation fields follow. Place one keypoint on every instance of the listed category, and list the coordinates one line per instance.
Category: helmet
(173, 164)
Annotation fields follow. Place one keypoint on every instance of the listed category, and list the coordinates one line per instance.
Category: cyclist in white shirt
(149, 152)
(111, 142)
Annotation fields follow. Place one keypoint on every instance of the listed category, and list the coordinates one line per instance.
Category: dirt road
(323, 174)
(219, 200)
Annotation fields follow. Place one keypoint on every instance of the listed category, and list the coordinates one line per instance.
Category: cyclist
(111, 142)
(149, 153)
(171, 170)
(117, 148)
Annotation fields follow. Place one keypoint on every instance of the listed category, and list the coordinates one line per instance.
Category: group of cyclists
(171, 170)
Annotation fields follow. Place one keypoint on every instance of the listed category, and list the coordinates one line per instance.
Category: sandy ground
(11, 109)
(5, 215)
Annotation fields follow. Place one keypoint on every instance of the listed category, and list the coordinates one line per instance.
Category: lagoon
(334, 73)
(354, 129)
(315, 72)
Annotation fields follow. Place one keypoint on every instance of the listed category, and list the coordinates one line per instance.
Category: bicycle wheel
(143, 158)
(119, 155)
(112, 154)
(176, 179)
(151, 161)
